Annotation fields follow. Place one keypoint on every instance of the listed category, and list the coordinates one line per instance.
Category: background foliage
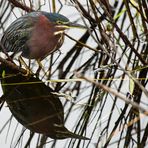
(102, 73)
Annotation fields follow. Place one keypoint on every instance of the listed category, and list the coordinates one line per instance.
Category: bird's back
(17, 34)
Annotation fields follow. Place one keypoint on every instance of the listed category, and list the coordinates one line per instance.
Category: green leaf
(3, 74)
(131, 86)
(119, 14)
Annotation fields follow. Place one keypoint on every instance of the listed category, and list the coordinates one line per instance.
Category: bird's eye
(59, 22)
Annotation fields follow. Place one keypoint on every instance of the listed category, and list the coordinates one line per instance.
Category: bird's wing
(17, 34)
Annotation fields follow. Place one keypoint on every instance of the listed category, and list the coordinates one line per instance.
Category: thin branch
(20, 5)
(115, 93)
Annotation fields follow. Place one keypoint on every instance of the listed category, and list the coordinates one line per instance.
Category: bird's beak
(72, 25)
(75, 25)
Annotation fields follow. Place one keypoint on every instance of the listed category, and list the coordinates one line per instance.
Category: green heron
(36, 34)
(34, 105)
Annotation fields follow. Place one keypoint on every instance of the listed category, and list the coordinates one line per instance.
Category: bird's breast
(43, 40)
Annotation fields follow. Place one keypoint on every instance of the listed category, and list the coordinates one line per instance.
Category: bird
(36, 34)
(34, 104)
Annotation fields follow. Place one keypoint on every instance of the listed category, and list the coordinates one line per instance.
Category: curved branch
(20, 5)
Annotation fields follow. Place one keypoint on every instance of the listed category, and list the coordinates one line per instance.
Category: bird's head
(61, 22)
(61, 132)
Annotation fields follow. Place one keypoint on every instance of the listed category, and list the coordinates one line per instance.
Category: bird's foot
(28, 70)
(28, 73)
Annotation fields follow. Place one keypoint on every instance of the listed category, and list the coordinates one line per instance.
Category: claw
(28, 73)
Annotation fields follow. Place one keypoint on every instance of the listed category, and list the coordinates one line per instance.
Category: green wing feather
(17, 34)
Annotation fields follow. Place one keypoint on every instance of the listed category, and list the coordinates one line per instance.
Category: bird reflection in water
(34, 105)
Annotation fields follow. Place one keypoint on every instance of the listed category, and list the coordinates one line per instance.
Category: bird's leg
(29, 63)
(40, 67)
(26, 66)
